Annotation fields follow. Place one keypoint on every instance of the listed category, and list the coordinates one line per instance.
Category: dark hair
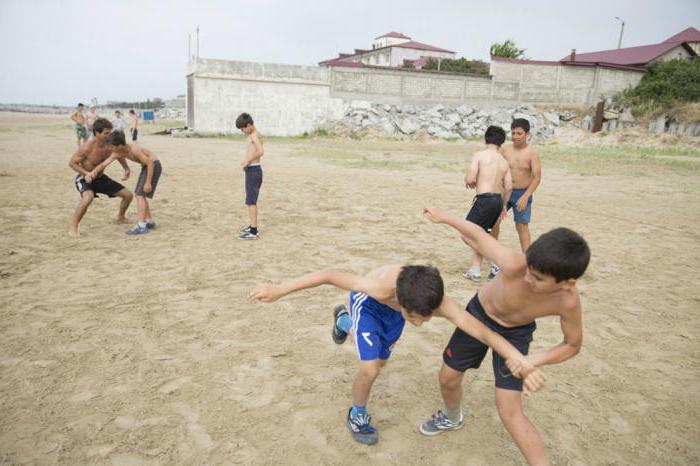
(561, 253)
(244, 120)
(495, 135)
(100, 125)
(520, 123)
(80, 105)
(132, 111)
(116, 138)
(419, 289)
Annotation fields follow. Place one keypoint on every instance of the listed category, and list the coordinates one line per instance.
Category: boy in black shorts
(148, 178)
(489, 174)
(540, 282)
(253, 173)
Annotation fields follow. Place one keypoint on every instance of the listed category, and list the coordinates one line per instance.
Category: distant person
(489, 174)
(90, 118)
(134, 125)
(380, 304)
(526, 170)
(148, 178)
(253, 173)
(86, 158)
(118, 121)
(79, 118)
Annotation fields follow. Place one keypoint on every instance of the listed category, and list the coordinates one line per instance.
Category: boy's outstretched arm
(572, 328)
(479, 240)
(270, 292)
(532, 377)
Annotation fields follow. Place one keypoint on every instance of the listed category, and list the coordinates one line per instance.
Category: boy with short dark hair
(526, 170)
(489, 174)
(148, 178)
(253, 173)
(380, 303)
(540, 283)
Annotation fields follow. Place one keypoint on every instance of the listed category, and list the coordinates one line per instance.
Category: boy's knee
(509, 410)
(370, 371)
(449, 378)
(87, 197)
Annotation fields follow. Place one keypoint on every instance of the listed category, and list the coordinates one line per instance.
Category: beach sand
(144, 350)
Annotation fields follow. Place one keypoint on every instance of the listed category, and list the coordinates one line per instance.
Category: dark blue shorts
(253, 181)
(134, 134)
(524, 216)
(466, 352)
(486, 208)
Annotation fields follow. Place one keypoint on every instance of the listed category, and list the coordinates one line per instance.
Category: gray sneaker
(248, 235)
(494, 271)
(137, 230)
(439, 424)
(469, 275)
(361, 429)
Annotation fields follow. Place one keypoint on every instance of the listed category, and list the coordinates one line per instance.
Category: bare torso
(250, 150)
(510, 301)
(134, 121)
(78, 118)
(492, 168)
(385, 280)
(94, 154)
(520, 162)
(90, 118)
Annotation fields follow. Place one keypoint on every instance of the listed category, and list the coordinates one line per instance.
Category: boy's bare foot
(121, 220)
(73, 232)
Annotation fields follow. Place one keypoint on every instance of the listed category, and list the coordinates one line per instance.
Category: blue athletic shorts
(524, 216)
(375, 326)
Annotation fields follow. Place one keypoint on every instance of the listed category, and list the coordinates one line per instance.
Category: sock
(358, 410)
(254, 230)
(453, 413)
(344, 323)
(142, 224)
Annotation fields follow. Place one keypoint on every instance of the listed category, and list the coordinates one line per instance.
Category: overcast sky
(62, 52)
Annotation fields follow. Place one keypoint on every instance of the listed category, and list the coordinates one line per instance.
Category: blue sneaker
(362, 431)
(339, 336)
(137, 230)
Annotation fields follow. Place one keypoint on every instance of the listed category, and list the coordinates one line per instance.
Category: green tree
(507, 49)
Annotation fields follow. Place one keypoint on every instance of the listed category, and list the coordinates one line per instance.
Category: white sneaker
(471, 275)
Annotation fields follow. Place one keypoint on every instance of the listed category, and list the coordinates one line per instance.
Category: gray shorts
(142, 180)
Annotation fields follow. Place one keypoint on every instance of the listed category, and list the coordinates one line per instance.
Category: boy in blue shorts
(526, 170)
(380, 303)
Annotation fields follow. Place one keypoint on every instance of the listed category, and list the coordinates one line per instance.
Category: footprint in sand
(197, 433)
(173, 385)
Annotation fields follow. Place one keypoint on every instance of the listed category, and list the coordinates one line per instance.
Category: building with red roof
(392, 50)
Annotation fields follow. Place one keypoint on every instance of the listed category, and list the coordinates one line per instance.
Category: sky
(60, 52)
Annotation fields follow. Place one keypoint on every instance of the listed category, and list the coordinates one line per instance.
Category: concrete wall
(282, 99)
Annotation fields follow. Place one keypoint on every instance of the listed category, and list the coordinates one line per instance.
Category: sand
(143, 350)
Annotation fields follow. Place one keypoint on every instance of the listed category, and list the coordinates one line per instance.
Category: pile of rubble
(460, 122)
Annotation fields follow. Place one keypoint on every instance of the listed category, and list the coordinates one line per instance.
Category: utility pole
(189, 47)
(197, 42)
(622, 30)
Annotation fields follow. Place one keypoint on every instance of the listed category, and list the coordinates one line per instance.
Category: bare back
(492, 169)
(383, 287)
(140, 154)
(520, 162)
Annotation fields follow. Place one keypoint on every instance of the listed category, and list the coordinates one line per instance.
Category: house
(685, 44)
(391, 50)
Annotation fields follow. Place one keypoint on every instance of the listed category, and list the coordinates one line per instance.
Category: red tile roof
(686, 35)
(396, 35)
(565, 62)
(419, 46)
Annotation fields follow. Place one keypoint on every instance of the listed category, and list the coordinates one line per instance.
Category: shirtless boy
(90, 118)
(490, 176)
(85, 159)
(133, 125)
(380, 303)
(78, 117)
(148, 178)
(253, 173)
(538, 283)
(525, 168)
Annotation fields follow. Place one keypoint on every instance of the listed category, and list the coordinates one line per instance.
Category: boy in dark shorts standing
(253, 173)
(85, 159)
(148, 178)
(538, 283)
(133, 125)
(380, 304)
(489, 174)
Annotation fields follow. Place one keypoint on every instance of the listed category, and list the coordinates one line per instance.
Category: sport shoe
(439, 424)
(494, 271)
(339, 336)
(247, 235)
(469, 275)
(150, 224)
(137, 230)
(244, 229)
(361, 429)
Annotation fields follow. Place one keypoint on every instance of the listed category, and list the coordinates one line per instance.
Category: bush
(461, 65)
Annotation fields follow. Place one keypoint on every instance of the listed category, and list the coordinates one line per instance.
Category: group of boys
(84, 122)
(91, 159)
(537, 281)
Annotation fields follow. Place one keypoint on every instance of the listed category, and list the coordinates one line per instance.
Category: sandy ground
(121, 350)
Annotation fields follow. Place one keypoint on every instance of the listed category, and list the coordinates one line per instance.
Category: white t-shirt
(118, 123)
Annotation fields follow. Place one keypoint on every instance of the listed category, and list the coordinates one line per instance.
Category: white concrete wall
(283, 100)
(677, 52)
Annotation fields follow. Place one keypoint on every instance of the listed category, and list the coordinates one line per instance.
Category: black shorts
(466, 352)
(154, 180)
(102, 185)
(253, 181)
(486, 208)
(134, 134)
